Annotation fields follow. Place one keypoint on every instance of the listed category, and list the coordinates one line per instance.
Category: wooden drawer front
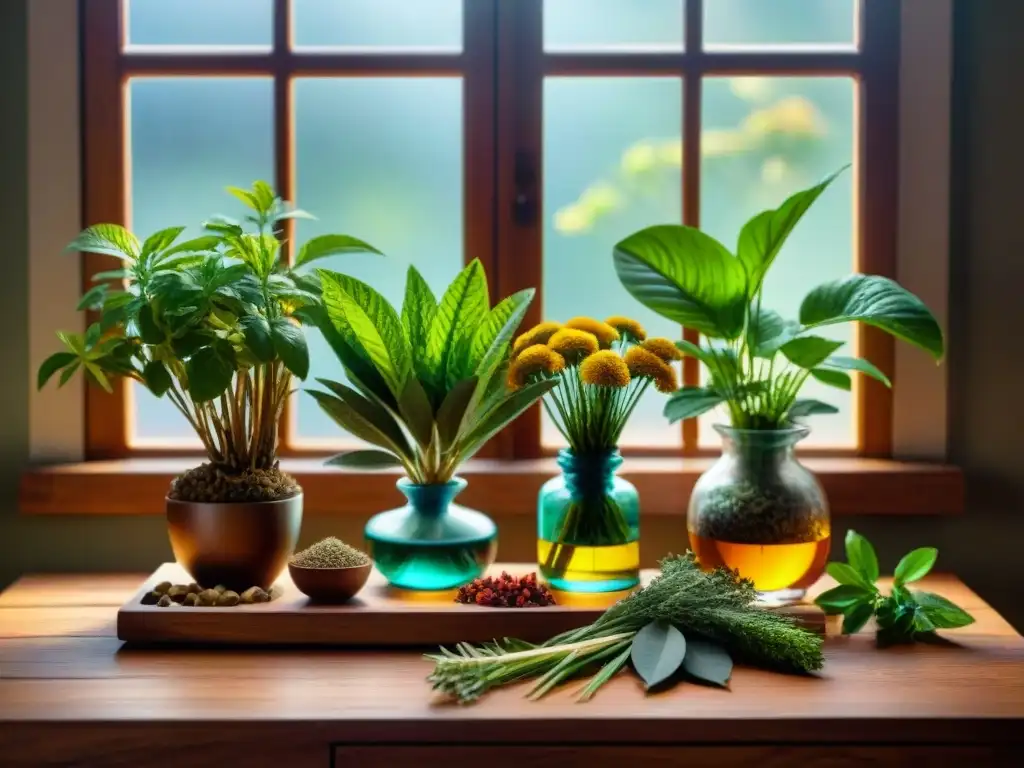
(505, 756)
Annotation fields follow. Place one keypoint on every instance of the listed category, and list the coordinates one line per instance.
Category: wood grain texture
(378, 616)
(139, 486)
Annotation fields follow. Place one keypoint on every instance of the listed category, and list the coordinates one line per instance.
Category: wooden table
(70, 695)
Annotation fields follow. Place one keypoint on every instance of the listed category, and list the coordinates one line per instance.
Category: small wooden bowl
(330, 585)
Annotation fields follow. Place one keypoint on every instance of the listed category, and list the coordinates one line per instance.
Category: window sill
(855, 486)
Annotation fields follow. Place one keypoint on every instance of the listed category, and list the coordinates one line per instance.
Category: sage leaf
(941, 612)
(861, 555)
(915, 565)
(657, 652)
(842, 598)
(690, 402)
(707, 662)
(846, 574)
(857, 617)
(365, 459)
(802, 408)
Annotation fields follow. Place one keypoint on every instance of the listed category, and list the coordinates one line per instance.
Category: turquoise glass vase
(588, 526)
(431, 543)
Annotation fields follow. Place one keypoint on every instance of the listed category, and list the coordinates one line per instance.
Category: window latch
(524, 204)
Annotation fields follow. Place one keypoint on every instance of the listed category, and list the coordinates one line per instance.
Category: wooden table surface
(71, 695)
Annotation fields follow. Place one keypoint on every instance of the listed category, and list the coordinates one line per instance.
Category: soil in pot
(211, 484)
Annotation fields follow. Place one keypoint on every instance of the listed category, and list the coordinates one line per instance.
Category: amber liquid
(772, 567)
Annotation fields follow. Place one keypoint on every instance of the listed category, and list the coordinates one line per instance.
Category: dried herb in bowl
(330, 553)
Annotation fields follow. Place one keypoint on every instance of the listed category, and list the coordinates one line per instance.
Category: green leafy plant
(685, 623)
(758, 361)
(210, 323)
(429, 381)
(903, 615)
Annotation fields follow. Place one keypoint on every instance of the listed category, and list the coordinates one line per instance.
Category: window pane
(380, 159)
(763, 139)
(200, 22)
(405, 24)
(612, 165)
(591, 25)
(187, 143)
(756, 23)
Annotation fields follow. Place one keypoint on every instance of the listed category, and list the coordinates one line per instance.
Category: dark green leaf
(257, 337)
(210, 371)
(111, 274)
(876, 301)
(657, 652)
(223, 225)
(809, 351)
(199, 244)
(353, 422)
(331, 245)
(415, 407)
(459, 315)
(861, 555)
(93, 298)
(453, 409)
(836, 379)
(498, 327)
(508, 409)
(190, 343)
(51, 365)
(707, 662)
(693, 350)
(365, 459)
(161, 240)
(371, 411)
(802, 408)
(769, 331)
(157, 377)
(689, 402)
(922, 623)
(915, 565)
(68, 373)
(418, 309)
(495, 357)
(763, 236)
(854, 364)
(858, 616)
(844, 597)
(290, 345)
(149, 331)
(92, 335)
(942, 613)
(685, 276)
(846, 574)
(107, 239)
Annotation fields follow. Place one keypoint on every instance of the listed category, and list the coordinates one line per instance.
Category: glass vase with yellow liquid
(588, 526)
(759, 511)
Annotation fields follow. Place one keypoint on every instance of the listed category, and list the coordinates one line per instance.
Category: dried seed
(162, 587)
(177, 593)
(165, 601)
(192, 598)
(220, 588)
(208, 597)
(194, 588)
(249, 596)
(151, 598)
(228, 597)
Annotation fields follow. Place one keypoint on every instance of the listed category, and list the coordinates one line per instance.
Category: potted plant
(588, 525)
(210, 323)
(427, 391)
(757, 509)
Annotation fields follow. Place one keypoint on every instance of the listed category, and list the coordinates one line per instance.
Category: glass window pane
(756, 23)
(380, 159)
(764, 138)
(187, 143)
(401, 24)
(612, 165)
(602, 25)
(220, 23)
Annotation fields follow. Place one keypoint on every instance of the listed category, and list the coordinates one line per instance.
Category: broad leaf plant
(757, 360)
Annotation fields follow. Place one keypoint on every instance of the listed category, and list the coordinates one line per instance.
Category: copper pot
(239, 545)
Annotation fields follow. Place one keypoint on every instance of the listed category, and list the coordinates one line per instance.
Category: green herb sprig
(686, 619)
(902, 616)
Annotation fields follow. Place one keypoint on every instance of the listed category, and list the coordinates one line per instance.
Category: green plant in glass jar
(758, 509)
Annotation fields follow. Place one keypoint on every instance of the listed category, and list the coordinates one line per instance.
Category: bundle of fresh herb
(686, 618)
(902, 616)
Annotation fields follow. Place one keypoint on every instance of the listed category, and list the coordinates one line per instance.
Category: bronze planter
(239, 545)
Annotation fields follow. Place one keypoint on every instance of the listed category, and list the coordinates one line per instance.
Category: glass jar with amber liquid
(760, 512)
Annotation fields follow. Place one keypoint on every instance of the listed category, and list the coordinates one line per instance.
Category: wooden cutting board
(378, 616)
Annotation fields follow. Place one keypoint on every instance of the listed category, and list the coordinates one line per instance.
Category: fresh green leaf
(507, 410)
(157, 377)
(149, 331)
(418, 310)
(861, 556)
(495, 357)
(95, 374)
(860, 365)
(51, 365)
(694, 350)
(809, 351)
(858, 616)
(836, 379)
(499, 325)
(922, 624)
(707, 662)
(685, 276)
(876, 301)
(201, 244)
(331, 245)
(94, 297)
(453, 409)
(68, 373)
(264, 195)
(769, 331)
(248, 198)
(257, 337)
(844, 597)
(942, 613)
(111, 274)
(606, 673)
(689, 402)
(160, 241)
(846, 574)
(802, 408)
(190, 342)
(460, 313)
(108, 240)
(209, 372)
(354, 422)
(290, 345)
(417, 411)
(92, 335)
(364, 459)
(657, 652)
(224, 226)
(763, 236)
(379, 417)
(915, 565)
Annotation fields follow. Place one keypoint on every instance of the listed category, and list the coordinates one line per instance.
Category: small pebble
(194, 589)
(208, 597)
(220, 588)
(151, 598)
(192, 598)
(162, 587)
(227, 597)
(177, 593)
(165, 601)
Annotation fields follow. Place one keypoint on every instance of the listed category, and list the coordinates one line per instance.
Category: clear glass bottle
(431, 543)
(588, 526)
(759, 511)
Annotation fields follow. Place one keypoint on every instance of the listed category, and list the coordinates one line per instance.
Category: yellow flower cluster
(605, 369)
(535, 359)
(627, 327)
(605, 334)
(539, 334)
(663, 348)
(643, 363)
(574, 345)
